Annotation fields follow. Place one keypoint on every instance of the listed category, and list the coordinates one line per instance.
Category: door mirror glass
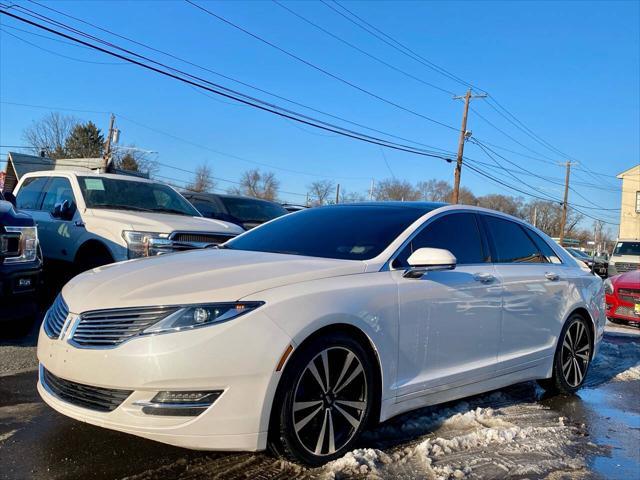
(429, 259)
(63, 210)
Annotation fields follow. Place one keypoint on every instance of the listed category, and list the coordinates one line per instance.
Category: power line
(319, 69)
(238, 97)
(235, 80)
(364, 52)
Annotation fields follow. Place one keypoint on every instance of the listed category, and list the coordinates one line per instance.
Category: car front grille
(93, 398)
(627, 312)
(109, 328)
(199, 240)
(56, 316)
(626, 267)
(631, 295)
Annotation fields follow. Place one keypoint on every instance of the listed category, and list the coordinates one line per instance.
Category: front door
(449, 320)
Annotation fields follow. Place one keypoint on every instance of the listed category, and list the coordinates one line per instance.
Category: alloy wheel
(329, 401)
(576, 354)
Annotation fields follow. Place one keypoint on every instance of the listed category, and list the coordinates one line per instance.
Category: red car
(623, 297)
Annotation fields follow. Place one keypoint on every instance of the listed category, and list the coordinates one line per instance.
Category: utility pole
(371, 189)
(337, 194)
(107, 149)
(535, 216)
(563, 220)
(463, 136)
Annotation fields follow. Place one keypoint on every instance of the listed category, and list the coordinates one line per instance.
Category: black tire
(293, 433)
(572, 358)
(89, 258)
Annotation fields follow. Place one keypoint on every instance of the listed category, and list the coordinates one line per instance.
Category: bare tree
(435, 190)
(351, 197)
(502, 203)
(466, 197)
(394, 189)
(49, 134)
(320, 191)
(134, 160)
(203, 180)
(548, 215)
(257, 184)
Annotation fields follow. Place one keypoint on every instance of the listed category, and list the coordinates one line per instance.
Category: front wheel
(572, 358)
(324, 401)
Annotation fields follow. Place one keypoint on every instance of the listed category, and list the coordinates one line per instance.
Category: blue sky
(568, 70)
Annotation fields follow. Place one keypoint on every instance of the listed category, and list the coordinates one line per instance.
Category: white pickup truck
(91, 219)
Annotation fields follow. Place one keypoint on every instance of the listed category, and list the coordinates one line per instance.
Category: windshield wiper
(117, 206)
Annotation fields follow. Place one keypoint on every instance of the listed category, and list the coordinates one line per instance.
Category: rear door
(535, 285)
(449, 320)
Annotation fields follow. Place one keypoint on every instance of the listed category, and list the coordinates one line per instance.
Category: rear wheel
(324, 401)
(92, 256)
(572, 358)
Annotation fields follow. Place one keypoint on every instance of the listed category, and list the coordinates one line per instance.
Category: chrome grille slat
(195, 237)
(55, 318)
(86, 396)
(110, 328)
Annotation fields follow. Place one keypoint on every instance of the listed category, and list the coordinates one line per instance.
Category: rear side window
(456, 232)
(58, 191)
(544, 247)
(30, 194)
(511, 243)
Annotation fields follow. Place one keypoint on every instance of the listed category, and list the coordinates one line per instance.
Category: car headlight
(608, 287)
(146, 244)
(27, 248)
(195, 316)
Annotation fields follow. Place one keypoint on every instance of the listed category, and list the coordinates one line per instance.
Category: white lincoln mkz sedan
(298, 334)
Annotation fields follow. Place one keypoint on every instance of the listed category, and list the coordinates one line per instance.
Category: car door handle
(552, 276)
(484, 277)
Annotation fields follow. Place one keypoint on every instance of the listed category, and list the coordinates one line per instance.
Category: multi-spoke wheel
(572, 357)
(325, 400)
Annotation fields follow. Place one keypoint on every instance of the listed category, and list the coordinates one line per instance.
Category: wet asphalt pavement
(516, 432)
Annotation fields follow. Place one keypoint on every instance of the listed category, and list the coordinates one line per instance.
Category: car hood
(165, 222)
(627, 280)
(197, 276)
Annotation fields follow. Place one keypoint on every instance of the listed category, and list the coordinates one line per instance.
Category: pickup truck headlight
(146, 244)
(608, 287)
(195, 316)
(28, 244)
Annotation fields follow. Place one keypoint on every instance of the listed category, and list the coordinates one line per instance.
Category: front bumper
(622, 310)
(238, 357)
(19, 284)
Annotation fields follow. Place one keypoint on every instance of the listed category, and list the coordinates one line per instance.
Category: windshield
(247, 209)
(345, 232)
(111, 193)
(627, 248)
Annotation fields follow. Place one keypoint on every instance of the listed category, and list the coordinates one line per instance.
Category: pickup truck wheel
(92, 256)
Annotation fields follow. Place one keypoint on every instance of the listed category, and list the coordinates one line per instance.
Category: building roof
(635, 170)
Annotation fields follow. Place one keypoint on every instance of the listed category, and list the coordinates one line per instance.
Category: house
(630, 204)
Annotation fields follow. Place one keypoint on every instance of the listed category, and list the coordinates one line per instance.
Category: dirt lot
(516, 432)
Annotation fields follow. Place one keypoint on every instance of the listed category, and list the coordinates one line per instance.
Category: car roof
(425, 206)
(77, 173)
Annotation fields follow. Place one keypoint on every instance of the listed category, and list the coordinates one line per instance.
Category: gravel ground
(517, 432)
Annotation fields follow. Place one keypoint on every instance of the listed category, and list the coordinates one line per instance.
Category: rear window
(249, 210)
(30, 194)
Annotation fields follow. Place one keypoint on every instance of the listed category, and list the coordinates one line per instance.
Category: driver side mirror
(426, 260)
(64, 210)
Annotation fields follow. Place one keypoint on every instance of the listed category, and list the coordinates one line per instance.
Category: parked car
(625, 257)
(20, 266)
(92, 219)
(296, 335)
(623, 297)
(246, 212)
(597, 265)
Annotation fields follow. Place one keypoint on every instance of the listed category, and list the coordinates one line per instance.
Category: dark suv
(247, 212)
(20, 265)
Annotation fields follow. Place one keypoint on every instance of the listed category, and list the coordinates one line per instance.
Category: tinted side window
(58, 191)
(544, 247)
(207, 209)
(510, 241)
(457, 232)
(29, 196)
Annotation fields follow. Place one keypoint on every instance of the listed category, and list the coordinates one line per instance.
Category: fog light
(180, 404)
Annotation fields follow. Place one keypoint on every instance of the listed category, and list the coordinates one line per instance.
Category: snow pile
(619, 361)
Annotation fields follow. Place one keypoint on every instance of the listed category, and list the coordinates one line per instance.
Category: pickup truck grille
(110, 328)
(626, 267)
(86, 396)
(199, 240)
(55, 318)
